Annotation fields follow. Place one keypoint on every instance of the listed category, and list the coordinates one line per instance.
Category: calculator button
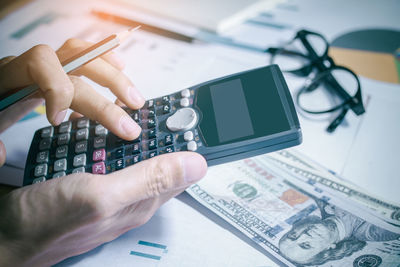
(166, 109)
(63, 139)
(79, 170)
(168, 149)
(185, 93)
(60, 165)
(79, 160)
(168, 140)
(151, 134)
(120, 152)
(152, 144)
(39, 180)
(183, 119)
(99, 130)
(82, 123)
(59, 174)
(65, 127)
(151, 114)
(136, 159)
(151, 123)
(136, 116)
(165, 99)
(136, 148)
(40, 170)
(42, 157)
(99, 142)
(82, 134)
(61, 152)
(152, 154)
(188, 136)
(45, 144)
(81, 147)
(120, 164)
(192, 146)
(47, 132)
(99, 155)
(99, 168)
(149, 104)
(184, 102)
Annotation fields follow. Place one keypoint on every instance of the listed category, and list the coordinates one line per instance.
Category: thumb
(2, 153)
(157, 176)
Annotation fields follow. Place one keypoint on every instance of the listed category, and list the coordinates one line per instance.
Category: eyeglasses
(329, 87)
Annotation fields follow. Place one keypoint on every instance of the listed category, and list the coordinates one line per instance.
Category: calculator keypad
(168, 125)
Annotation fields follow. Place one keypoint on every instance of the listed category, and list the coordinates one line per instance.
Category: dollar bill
(305, 170)
(296, 222)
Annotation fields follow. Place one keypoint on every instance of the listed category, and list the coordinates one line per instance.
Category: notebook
(212, 15)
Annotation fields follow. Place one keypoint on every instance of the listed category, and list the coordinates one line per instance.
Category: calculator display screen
(241, 108)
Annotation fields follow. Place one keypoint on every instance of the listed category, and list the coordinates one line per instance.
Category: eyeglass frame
(319, 62)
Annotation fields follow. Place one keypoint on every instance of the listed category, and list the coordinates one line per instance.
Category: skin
(45, 223)
(306, 241)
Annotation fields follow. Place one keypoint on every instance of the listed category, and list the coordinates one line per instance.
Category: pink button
(99, 155)
(99, 168)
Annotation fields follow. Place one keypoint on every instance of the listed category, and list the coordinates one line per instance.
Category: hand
(47, 222)
(41, 65)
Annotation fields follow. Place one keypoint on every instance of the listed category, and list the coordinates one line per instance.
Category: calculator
(225, 119)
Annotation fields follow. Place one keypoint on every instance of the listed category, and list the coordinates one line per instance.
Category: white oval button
(192, 146)
(185, 93)
(184, 102)
(182, 120)
(188, 136)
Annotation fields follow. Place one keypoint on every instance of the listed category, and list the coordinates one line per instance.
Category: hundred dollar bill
(306, 171)
(296, 222)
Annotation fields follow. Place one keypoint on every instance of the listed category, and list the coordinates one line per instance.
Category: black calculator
(225, 119)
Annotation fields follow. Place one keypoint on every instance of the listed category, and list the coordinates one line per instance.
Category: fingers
(158, 176)
(40, 65)
(93, 105)
(75, 115)
(2, 153)
(106, 72)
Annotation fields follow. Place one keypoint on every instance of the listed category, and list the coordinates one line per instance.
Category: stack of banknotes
(300, 213)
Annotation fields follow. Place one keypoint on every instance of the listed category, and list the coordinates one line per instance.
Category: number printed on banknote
(298, 223)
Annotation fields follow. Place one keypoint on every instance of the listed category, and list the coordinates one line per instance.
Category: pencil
(72, 64)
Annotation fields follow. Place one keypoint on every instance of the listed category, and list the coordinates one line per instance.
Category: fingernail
(136, 96)
(129, 126)
(195, 167)
(60, 117)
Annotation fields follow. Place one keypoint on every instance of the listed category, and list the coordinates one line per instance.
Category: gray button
(47, 132)
(182, 120)
(79, 160)
(188, 136)
(82, 134)
(61, 152)
(59, 174)
(40, 170)
(99, 130)
(45, 144)
(82, 123)
(192, 146)
(60, 165)
(42, 157)
(81, 147)
(184, 102)
(65, 127)
(99, 142)
(79, 170)
(39, 180)
(185, 93)
(63, 139)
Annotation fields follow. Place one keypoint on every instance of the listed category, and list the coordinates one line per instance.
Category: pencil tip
(125, 34)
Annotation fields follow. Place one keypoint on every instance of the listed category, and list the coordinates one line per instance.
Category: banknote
(307, 171)
(298, 223)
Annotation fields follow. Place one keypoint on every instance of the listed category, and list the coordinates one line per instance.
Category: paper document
(215, 16)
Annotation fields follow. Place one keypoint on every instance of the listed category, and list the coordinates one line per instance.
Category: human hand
(47, 222)
(41, 65)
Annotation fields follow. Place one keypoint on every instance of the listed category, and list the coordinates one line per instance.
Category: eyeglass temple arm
(354, 103)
